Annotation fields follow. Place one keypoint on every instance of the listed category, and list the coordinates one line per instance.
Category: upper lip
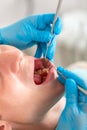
(45, 63)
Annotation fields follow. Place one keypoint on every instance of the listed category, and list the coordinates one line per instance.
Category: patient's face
(27, 91)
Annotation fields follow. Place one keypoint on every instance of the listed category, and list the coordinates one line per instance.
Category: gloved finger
(51, 49)
(71, 92)
(38, 53)
(69, 74)
(41, 50)
(82, 98)
(41, 36)
(43, 47)
(44, 20)
(58, 26)
(48, 18)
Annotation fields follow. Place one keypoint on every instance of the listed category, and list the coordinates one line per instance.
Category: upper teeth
(41, 71)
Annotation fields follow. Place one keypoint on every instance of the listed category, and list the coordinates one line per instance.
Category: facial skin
(21, 100)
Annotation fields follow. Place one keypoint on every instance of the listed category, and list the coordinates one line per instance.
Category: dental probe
(55, 18)
(80, 88)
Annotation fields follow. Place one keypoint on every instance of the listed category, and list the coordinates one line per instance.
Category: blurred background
(72, 42)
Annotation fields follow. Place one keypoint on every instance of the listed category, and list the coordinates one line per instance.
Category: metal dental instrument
(55, 18)
(80, 88)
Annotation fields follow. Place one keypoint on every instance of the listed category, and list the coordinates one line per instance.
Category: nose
(10, 58)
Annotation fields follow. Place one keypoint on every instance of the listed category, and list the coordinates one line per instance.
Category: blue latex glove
(33, 30)
(79, 75)
(73, 116)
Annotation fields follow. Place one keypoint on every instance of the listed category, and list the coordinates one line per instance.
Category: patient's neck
(49, 121)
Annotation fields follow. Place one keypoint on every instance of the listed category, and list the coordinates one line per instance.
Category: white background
(12, 10)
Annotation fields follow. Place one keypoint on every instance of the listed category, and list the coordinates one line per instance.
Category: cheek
(13, 99)
(9, 64)
(12, 89)
(26, 76)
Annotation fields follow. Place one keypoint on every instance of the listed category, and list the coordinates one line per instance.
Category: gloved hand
(80, 76)
(33, 30)
(73, 116)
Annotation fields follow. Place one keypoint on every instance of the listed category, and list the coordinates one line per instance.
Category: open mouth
(41, 70)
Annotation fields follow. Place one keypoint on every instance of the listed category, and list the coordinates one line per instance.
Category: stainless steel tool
(55, 18)
(79, 87)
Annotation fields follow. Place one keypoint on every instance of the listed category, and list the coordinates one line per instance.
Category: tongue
(37, 79)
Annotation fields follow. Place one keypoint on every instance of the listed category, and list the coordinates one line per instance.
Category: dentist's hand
(33, 30)
(80, 77)
(73, 116)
